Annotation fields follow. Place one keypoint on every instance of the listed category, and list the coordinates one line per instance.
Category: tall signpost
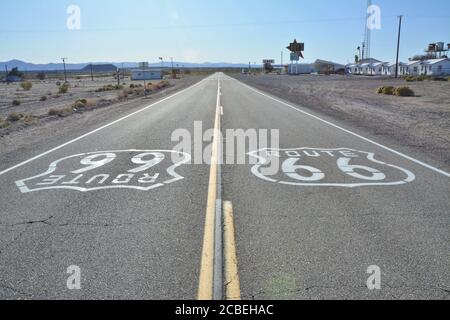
(296, 49)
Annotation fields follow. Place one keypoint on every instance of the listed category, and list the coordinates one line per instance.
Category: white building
(365, 69)
(412, 68)
(389, 69)
(378, 68)
(352, 68)
(301, 68)
(150, 74)
(435, 67)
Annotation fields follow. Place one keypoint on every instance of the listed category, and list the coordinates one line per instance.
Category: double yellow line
(206, 280)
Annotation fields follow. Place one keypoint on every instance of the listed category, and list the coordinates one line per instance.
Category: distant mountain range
(26, 66)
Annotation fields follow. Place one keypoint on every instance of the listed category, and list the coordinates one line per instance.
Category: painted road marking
(207, 265)
(99, 129)
(423, 164)
(232, 283)
(142, 170)
(319, 167)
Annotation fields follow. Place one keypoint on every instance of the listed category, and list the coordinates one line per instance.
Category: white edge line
(348, 131)
(98, 129)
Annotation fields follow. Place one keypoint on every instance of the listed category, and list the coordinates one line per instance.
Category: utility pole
(398, 44)
(92, 72)
(173, 71)
(282, 68)
(145, 84)
(65, 71)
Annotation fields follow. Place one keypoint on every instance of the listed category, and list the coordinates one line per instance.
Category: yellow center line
(205, 288)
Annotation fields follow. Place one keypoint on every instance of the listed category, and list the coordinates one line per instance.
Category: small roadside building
(323, 66)
(147, 74)
(389, 69)
(365, 69)
(351, 68)
(301, 68)
(435, 67)
(378, 68)
(413, 68)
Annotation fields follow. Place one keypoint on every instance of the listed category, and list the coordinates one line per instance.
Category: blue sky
(213, 31)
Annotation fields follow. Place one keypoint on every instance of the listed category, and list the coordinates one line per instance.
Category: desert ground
(422, 121)
(33, 105)
(24, 125)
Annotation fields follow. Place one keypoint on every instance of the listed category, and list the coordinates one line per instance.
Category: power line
(217, 25)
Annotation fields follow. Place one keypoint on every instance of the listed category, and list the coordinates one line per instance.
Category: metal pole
(92, 72)
(398, 45)
(173, 75)
(282, 62)
(145, 84)
(65, 72)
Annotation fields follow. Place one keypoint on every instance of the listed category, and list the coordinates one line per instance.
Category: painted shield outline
(410, 177)
(21, 184)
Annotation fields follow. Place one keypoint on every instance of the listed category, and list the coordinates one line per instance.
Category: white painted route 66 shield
(142, 170)
(318, 167)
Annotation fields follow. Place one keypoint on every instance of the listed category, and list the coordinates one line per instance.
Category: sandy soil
(20, 136)
(421, 122)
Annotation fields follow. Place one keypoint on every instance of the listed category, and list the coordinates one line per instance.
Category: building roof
(147, 70)
(434, 61)
(410, 63)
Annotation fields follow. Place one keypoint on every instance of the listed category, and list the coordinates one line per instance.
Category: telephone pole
(92, 72)
(65, 71)
(398, 44)
(282, 68)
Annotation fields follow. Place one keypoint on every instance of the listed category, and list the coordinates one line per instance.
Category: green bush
(64, 88)
(43, 98)
(16, 103)
(388, 90)
(26, 85)
(404, 92)
(4, 124)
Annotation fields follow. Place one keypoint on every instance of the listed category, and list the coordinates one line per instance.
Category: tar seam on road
(208, 287)
(423, 164)
(98, 129)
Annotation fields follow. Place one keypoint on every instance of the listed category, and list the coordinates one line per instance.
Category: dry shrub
(404, 92)
(4, 123)
(60, 112)
(64, 88)
(26, 85)
(386, 90)
(123, 95)
(14, 116)
(28, 119)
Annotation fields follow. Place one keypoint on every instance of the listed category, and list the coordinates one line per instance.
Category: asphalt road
(112, 203)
